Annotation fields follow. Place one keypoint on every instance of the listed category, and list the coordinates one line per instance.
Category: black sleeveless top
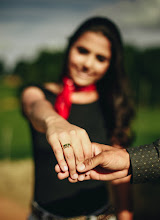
(61, 197)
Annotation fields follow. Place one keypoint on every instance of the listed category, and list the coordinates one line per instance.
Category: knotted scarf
(63, 101)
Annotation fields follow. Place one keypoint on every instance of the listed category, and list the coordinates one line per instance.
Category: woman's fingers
(57, 168)
(86, 144)
(68, 152)
(70, 159)
(77, 147)
(60, 174)
(58, 152)
(63, 151)
(70, 148)
(81, 146)
(63, 175)
(86, 176)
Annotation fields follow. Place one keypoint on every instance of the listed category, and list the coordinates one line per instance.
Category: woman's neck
(80, 97)
(84, 97)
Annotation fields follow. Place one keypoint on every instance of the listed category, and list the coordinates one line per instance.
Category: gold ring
(66, 145)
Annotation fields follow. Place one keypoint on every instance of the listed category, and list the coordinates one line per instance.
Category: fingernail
(75, 176)
(81, 166)
(81, 178)
(65, 168)
(87, 173)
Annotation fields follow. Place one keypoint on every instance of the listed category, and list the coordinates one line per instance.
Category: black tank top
(61, 197)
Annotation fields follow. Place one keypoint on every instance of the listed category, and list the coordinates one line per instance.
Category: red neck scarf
(63, 101)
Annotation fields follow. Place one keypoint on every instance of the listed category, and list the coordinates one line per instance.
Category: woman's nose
(89, 61)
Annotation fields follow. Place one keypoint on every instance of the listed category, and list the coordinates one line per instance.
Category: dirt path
(15, 189)
(11, 210)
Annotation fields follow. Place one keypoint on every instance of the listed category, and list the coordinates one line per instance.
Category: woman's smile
(89, 58)
(83, 72)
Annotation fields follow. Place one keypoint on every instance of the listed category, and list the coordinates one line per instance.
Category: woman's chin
(82, 82)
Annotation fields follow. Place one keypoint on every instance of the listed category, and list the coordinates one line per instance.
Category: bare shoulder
(31, 94)
(56, 88)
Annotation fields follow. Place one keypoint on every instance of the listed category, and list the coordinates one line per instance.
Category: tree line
(142, 67)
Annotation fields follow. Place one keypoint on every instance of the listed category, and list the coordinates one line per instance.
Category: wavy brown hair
(115, 99)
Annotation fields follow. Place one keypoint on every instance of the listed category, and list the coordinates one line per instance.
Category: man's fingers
(110, 176)
(98, 148)
(89, 164)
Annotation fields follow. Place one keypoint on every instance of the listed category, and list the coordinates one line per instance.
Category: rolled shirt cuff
(145, 163)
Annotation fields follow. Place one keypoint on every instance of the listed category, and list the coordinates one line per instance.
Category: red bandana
(63, 101)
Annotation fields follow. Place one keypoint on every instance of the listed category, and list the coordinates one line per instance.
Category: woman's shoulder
(41, 90)
(53, 87)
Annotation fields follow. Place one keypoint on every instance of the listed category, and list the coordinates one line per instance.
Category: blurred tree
(2, 69)
(22, 70)
(131, 58)
(143, 70)
(150, 69)
(46, 67)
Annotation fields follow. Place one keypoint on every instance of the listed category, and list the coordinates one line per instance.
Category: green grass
(14, 135)
(7, 91)
(146, 126)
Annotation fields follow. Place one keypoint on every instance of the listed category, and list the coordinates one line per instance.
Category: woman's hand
(71, 145)
(59, 132)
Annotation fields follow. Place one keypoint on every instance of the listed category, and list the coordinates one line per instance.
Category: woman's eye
(101, 58)
(82, 50)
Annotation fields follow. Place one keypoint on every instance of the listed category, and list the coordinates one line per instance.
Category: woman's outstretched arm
(70, 143)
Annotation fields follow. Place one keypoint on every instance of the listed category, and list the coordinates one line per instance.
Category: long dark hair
(115, 100)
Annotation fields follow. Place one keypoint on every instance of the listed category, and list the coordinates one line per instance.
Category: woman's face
(89, 58)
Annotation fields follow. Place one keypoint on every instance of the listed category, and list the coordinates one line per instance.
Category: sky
(28, 26)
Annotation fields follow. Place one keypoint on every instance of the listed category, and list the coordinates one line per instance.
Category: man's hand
(109, 163)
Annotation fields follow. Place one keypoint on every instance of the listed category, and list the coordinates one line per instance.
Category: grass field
(146, 125)
(14, 135)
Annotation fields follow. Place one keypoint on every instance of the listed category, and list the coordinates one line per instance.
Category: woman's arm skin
(59, 131)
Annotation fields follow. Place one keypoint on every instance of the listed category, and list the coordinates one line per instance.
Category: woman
(91, 104)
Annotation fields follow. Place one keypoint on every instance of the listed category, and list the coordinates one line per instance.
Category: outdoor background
(32, 40)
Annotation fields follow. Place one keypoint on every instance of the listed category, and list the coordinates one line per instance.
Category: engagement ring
(66, 145)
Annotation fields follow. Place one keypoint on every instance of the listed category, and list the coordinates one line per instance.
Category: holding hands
(108, 163)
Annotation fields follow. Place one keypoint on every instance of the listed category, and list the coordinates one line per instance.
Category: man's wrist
(128, 162)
